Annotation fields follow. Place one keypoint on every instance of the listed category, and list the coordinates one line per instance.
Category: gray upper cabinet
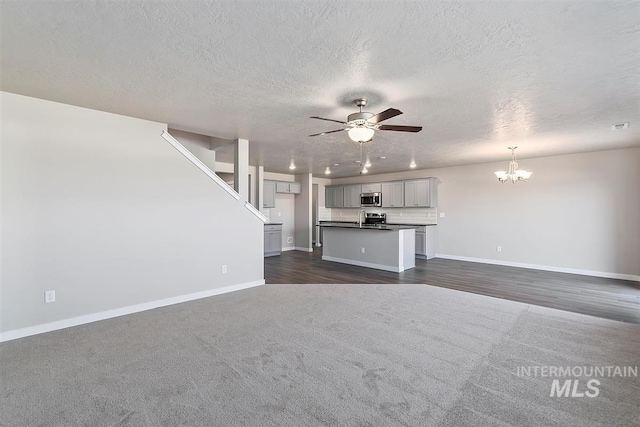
(295, 188)
(392, 194)
(334, 197)
(419, 193)
(352, 196)
(288, 187)
(269, 194)
(415, 193)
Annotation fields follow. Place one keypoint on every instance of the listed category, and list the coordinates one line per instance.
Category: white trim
(116, 312)
(204, 168)
(544, 267)
(255, 211)
(211, 174)
(363, 264)
(288, 248)
(303, 249)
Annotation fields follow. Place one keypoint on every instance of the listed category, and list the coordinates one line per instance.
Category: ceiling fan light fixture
(360, 134)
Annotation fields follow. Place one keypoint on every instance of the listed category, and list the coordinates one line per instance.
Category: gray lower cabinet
(334, 197)
(269, 194)
(426, 242)
(392, 194)
(272, 239)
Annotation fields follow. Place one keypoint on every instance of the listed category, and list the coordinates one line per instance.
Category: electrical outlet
(224, 269)
(289, 239)
(362, 250)
(49, 296)
(498, 248)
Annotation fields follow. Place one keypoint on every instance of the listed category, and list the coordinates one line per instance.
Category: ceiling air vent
(620, 126)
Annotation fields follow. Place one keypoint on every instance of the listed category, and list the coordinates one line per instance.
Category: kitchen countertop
(386, 227)
(324, 223)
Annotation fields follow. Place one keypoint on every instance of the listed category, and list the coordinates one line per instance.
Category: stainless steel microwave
(370, 199)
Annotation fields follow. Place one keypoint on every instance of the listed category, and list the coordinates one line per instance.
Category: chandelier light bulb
(327, 171)
(412, 165)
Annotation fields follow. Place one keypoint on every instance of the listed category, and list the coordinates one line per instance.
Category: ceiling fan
(362, 125)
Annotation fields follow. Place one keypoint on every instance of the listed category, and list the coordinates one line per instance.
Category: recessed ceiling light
(382, 157)
(620, 126)
(357, 162)
(327, 171)
(336, 164)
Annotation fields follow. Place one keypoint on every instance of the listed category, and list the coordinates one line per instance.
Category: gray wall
(579, 211)
(103, 210)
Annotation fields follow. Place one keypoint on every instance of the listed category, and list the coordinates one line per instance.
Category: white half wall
(303, 225)
(101, 209)
(577, 213)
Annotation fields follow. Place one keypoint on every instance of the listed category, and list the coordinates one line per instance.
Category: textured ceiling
(551, 77)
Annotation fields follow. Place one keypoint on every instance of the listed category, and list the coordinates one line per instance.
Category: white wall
(199, 145)
(578, 212)
(303, 227)
(225, 170)
(284, 211)
(103, 210)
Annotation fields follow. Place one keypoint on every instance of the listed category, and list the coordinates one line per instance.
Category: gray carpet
(306, 355)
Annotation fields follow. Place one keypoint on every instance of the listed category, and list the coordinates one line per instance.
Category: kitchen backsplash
(394, 215)
(324, 214)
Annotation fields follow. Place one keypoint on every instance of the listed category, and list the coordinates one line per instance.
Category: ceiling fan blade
(386, 114)
(324, 133)
(401, 128)
(329, 120)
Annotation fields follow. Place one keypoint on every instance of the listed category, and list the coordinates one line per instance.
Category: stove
(375, 218)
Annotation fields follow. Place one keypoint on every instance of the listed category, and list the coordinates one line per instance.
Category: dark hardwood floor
(595, 296)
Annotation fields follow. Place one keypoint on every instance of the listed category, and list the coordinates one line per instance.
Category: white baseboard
(544, 267)
(363, 264)
(297, 248)
(116, 312)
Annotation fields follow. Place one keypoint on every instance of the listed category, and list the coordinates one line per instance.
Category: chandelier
(514, 174)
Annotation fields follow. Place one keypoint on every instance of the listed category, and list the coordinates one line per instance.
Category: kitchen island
(382, 246)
